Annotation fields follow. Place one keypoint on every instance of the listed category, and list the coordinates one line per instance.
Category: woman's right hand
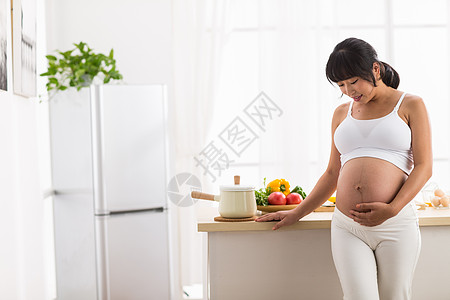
(286, 217)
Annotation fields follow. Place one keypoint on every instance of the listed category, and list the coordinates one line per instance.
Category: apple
(277, 198)
(293, 198)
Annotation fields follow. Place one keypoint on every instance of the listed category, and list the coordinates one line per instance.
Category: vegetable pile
(278, 192)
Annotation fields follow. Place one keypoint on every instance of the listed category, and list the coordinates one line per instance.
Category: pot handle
(200, 195)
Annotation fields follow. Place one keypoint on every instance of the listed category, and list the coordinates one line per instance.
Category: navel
(358, 187)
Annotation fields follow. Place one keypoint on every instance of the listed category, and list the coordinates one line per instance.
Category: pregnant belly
(367, 179)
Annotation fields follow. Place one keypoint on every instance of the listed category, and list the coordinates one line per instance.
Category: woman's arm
(423, 156)
(423, 160)
(324, 187)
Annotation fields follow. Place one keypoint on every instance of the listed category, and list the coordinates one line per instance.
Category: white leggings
(376, 262)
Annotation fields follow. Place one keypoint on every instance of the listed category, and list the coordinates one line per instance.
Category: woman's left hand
(372, 213)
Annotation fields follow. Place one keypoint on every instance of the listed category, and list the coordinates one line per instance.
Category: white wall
(138, 30)
(26, 266)
(8, 200)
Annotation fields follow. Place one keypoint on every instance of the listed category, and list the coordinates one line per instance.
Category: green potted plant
(78, 67)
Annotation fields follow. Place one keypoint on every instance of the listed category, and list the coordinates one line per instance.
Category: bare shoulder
(343, 108)
(413, 107)
(340, 113)
(412, 103)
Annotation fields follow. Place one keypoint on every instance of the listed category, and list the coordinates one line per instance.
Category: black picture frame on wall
(3, 45)
(24, 47)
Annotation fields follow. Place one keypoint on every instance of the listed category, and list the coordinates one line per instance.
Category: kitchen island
(247, 260)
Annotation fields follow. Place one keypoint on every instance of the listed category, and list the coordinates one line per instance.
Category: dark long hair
(354, 57)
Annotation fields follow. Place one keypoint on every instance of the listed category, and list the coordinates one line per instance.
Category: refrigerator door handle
(137, 211)
(97, 150)
(101, 233)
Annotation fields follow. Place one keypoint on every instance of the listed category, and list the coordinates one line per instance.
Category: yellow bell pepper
(279, 185)
(274, 186)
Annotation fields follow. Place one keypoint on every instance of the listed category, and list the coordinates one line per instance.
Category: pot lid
(236, 188)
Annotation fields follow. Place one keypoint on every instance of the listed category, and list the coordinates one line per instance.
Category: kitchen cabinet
(250, 261)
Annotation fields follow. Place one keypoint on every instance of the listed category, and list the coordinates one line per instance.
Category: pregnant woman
(380, 159)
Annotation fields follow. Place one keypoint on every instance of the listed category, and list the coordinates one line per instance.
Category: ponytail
(354, 57)
(389, 76)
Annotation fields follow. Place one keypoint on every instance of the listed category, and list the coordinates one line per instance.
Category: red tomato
(293, 198)
(277, 198)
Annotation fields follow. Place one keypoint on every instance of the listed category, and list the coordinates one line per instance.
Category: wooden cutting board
(273, 208)
(222, 219)
(324, 209)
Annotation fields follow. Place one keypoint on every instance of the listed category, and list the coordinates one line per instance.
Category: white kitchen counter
(315, 220)
(248, 260)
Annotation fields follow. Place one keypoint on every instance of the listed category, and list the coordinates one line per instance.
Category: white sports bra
(387, 138)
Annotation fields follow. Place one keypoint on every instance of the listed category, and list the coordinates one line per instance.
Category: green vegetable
(299, 190)
(262, 194)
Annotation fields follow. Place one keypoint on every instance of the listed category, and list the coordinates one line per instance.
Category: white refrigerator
(110, 206)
